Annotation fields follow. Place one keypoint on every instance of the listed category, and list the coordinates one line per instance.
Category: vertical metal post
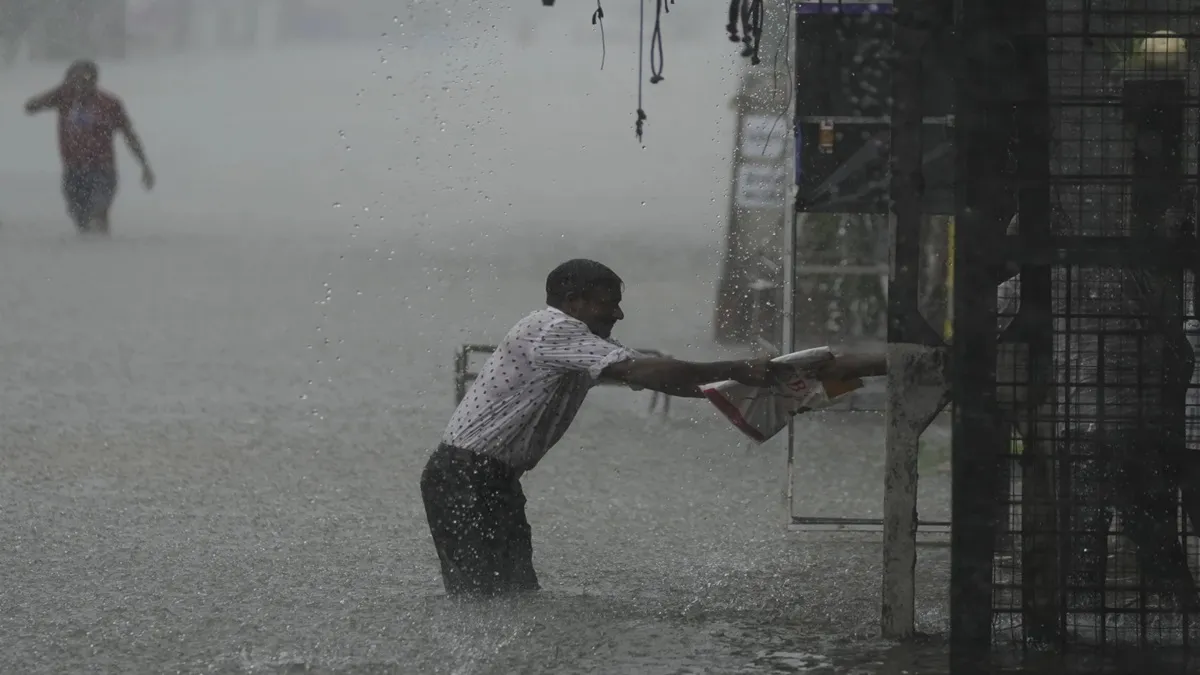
(984, 83)
(1028, 338)
(916, 379)
(790, 230)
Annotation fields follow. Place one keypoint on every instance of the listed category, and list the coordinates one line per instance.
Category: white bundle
(761, 412)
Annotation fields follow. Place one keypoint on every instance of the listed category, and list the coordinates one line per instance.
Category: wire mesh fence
(1080, 191)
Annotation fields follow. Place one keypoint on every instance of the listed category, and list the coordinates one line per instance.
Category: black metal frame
(1101, 167)
(859, 173)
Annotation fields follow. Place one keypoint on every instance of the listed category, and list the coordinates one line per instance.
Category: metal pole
(791, 227)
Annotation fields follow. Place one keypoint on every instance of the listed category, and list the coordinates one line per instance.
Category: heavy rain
(217, 404)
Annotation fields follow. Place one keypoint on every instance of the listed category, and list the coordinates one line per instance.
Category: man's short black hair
(86, 67)
(580, 277)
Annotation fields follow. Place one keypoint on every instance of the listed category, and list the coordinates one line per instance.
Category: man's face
(600, 309)
(80, 82)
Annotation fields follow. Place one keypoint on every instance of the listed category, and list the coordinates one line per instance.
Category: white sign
(760, 186)
(764, 136)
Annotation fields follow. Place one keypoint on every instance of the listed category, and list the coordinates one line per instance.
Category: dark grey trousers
(89, 193)
(476, 512)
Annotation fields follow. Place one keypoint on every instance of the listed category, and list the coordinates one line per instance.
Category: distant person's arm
(135, 148)
(43, 102)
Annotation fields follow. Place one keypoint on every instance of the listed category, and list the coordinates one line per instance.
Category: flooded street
(178, 496)
(214, 421)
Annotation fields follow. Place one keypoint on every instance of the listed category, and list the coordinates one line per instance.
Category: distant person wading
(88, 118)
(521, 404)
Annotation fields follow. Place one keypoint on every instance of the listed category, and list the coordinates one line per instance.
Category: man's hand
(758, 373)
(42, 102)
(147, 178)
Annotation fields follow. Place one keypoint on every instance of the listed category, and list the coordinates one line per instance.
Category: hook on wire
(598, 18)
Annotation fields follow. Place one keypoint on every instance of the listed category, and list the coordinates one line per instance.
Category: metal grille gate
(1077, 138)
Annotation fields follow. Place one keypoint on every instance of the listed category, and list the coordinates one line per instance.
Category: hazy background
(213, 422)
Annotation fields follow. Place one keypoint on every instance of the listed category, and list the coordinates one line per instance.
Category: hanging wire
(598, 18)
(756, 22)
(732, 27)
(785, 44)
(747, 28)
(656, 43)
(641, 114)
(750, 13)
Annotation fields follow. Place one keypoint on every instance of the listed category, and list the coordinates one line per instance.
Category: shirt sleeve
(568, 346)
(120, 120)
(51, 100)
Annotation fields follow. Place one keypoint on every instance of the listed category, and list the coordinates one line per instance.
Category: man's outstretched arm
(568, 346)
(42, 102)
(684, 378)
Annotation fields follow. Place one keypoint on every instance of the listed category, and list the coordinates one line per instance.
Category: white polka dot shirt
(530, 389)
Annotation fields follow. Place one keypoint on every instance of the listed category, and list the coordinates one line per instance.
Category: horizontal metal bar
(1087, 180)
(478, 348)
(841, 269)
(874, 529)
(1086, 251)
(861, 522)
(1138, 10)
(945, 120)
(1098, 100)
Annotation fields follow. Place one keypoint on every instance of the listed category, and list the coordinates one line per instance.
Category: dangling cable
(735, 7)
(656, 43)
(598, 17)
(756, 20)
(641, 114)
(747, 28)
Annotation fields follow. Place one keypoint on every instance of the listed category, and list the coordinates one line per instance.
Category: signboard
(760, 186)
(761, 175)
(764, 137)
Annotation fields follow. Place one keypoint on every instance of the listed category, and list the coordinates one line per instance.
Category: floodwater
(214, 421)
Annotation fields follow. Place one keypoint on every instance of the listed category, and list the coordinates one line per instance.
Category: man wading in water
(521, 404)
(87, 120)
